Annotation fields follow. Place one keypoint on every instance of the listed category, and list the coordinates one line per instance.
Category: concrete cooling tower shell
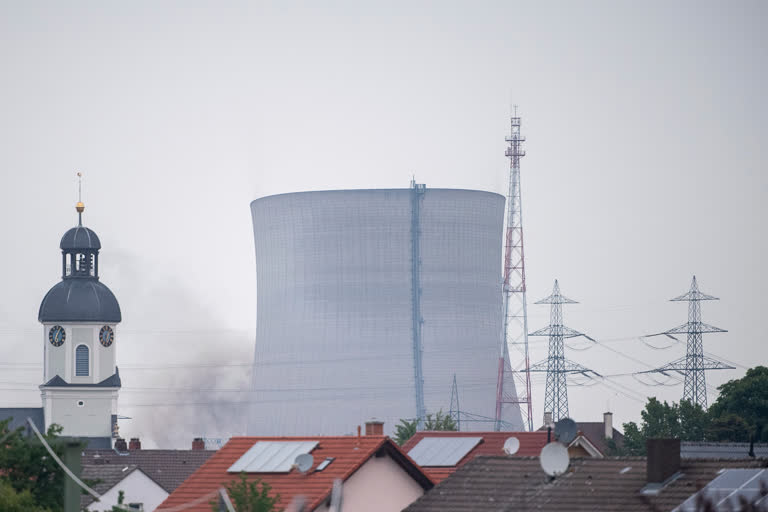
(341, 276)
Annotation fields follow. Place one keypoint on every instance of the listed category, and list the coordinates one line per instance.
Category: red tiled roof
(350, 454)
(531, 444)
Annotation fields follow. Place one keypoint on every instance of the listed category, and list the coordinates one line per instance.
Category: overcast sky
(646, 164)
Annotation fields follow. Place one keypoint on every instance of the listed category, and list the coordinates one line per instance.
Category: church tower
(80, 316)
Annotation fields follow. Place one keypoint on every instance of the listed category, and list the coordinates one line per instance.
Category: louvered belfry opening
(81, 361)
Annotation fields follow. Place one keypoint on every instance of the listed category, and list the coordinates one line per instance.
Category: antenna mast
(515, 335)
(693, 365)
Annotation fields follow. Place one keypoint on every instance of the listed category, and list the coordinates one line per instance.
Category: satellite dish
(554, 459)
(303, 462)
(511, 445)
(566, 430)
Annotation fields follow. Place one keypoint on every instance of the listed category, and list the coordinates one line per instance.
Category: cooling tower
(362, 294)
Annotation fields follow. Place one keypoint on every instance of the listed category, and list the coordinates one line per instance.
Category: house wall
(138, 488)
(380, 485)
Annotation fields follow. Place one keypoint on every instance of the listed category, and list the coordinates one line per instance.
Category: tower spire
(513, 373)
(556, 365)
(693, 365)
(79, 206)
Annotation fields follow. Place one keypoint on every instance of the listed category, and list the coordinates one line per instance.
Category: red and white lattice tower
(514, 365)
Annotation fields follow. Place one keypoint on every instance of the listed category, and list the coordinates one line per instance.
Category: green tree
(26, 466)
(729, 427)
(12, 500)
(405, 430)
(745, 399)
(686, 421)
(439, 421)
(250, 496)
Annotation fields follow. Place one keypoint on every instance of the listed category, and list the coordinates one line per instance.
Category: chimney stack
(547, 419)
(374, 427)
(663, 459)
(134, 444)
(120, 445)
(198, 443)
(608, 425)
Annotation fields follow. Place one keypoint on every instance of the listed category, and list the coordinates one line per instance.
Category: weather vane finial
(80, 206)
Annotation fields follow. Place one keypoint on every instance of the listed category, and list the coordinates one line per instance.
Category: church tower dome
(80, 296)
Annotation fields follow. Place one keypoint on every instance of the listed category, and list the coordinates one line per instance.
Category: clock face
(106, 336)
(57, 335)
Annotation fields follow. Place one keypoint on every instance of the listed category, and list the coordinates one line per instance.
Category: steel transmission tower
(455, 410)
(693, 365)
(556, 365)
(511, 377)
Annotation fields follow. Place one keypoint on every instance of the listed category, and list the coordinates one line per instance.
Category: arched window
(81, 361)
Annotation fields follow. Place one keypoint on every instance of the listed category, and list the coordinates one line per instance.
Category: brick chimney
(374, 427)
(608, 425)
(134, 444)
(198, 443)
(120, 445)
(663, 459)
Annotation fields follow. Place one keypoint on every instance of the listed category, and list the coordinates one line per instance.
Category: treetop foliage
(29, 477)
(250, 496)
(738, 415)
(439, 421)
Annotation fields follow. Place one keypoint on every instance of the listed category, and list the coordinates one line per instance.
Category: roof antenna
(80, 206)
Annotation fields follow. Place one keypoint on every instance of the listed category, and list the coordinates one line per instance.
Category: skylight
(324, 464)
(442, 451)
(271, 456)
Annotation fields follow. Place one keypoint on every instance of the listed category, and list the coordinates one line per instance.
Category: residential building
(147, 477)
(599, 433)
(376, 476)
(441, 453)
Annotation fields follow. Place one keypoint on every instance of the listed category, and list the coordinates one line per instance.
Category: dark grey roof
(80, 300)
(80, 237)
(169, 468)
(20, 415)
(103, 477)
(517, 483)
(110, 382)
(595, 432)
(693, 450)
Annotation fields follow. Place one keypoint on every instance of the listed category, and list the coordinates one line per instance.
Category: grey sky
(646, 163)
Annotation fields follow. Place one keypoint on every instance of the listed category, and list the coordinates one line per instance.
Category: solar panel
(271, 456)
(442, 451)
(729, 488)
